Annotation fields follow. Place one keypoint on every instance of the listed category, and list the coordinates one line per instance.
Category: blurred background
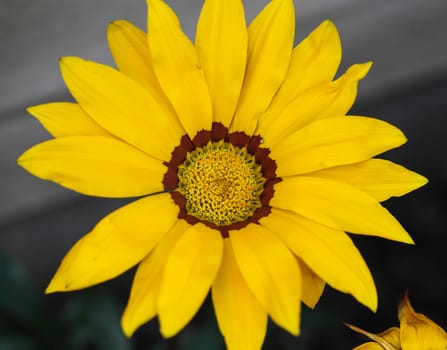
(39, 221)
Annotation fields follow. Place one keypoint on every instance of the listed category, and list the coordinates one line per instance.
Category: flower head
(416, 332)
(250, 169)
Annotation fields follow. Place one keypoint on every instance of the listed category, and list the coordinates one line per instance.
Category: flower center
(223, 180)
(221, 183)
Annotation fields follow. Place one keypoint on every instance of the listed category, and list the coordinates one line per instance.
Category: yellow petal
(141, 306)
(270, 41)
(313, 285)
(328, 252)
(122, 106)
(379, 178)
(369, 346)
(118, 242)
(334, 141)
(178, 69)
(271, 272)
(337, 205)
(128, 45)
(221, 43)
(346, 85)
(130, 50)
(98, 166)
(387, 340)
(314, 61)
(417, 331)
(62, 119)
(392, 336)
(241, 319)
(190, 270)
(320, 102)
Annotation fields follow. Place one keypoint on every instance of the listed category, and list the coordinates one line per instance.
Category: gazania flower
(416, 332)
(249, 169)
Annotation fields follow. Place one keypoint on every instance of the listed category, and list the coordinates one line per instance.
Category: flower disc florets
(224, 180)
(221, 183)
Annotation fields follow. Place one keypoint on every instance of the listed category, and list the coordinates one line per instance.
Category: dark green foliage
(87, 321)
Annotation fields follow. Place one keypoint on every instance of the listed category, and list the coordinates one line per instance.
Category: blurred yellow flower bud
(416, 332)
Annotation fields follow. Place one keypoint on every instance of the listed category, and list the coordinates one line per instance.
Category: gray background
(39, 221)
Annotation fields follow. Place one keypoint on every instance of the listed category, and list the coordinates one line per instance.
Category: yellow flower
(416, 332)
(249, 168)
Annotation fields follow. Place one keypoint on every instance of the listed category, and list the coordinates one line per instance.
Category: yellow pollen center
(221, 183)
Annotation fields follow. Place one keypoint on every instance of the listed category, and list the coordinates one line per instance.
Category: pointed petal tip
(66, 61)
(32, 109)
(404, 138)
(112, 27)
(406, 238)
(22, 161)
(112, 24)
(365, 68)
(55, 286)
(60, 283)
(350, 326)
(406, 297)
(370, 300)
(405, 304)
(127, 326)
(359, 70)
(329, 31)
(328, 25)
(50, 290)
(373, 305)
(165, 330)
(119, 24)
(128, 333)
(367, 65)
(403, 237)
(291, 323)
(38, 111)
(422, 181)
(295, 331)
